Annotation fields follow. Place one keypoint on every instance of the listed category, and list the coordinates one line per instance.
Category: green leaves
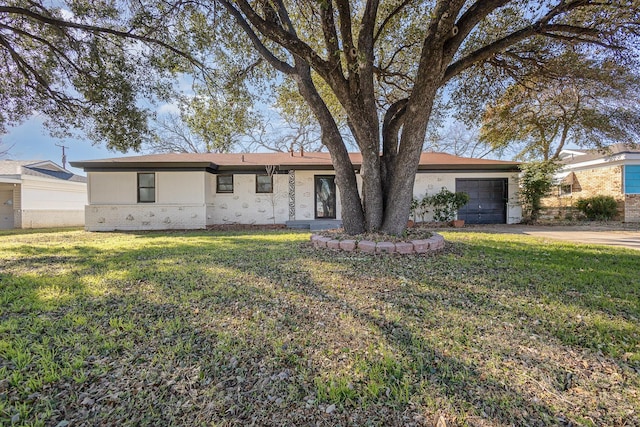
(569, 99)
(82, 76)
(535, 183)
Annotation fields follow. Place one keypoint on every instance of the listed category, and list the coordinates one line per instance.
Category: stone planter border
(433, 243)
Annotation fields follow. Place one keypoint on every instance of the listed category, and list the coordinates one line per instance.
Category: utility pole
(64, 156)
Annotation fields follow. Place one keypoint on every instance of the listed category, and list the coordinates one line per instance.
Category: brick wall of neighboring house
(600, 181)
(632, 208)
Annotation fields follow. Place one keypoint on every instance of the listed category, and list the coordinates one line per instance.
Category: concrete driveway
(624, 235)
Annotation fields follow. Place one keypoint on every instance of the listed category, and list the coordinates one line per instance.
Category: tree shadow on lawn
(438, 382)
(592, 291)
(595, 291)
(245, 334)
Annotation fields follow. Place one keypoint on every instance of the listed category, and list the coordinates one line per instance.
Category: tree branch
(575, 38)
(274, 61)
(28, 71)
(487, 51)
(367, 27)
(388, 18)
(502, 44)
(56, 22)
(45, 42)
(365, 50)
(279, 35)
(344, 17)
(330, 35)
(468, 21)
(482, 8)
(390, 128)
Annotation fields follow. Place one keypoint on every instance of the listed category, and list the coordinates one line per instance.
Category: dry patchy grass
(241, 328)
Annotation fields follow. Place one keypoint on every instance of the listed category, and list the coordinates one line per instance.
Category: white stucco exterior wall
(244, 205)
(112, 188)
(44, 194)
(113, 202)
(184, 200)
(189, 199)
(177, 188)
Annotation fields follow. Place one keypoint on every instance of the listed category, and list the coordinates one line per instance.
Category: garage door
(487, 201)
(6, 209)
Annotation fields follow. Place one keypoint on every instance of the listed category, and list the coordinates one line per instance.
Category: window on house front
(565, 190)
(264, 183)
(224, 184)
(146, 187)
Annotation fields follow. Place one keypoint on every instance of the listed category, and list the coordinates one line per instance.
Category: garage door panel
(487, 200)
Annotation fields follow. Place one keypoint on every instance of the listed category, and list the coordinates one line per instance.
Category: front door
(6, 209)
(325, 189)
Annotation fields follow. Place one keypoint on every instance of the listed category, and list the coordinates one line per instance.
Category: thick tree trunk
(400, 187)
(353, 218)
(352, 215)
(372, 190)
(405, 165)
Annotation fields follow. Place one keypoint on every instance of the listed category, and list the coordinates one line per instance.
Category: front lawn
(257, 328)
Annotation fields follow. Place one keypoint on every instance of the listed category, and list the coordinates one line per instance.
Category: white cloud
(169, 108)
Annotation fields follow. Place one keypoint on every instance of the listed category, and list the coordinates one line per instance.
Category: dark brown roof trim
(165, 165)
(147, 168)
(468, 168)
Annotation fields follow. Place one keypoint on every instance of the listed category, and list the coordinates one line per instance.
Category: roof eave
(96, 166)
(512, 167)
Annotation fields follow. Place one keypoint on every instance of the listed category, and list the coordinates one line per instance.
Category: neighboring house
(586, 173)
(36, 194)
(181, 191)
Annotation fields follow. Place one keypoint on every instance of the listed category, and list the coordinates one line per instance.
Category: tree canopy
(584, 101)
(378, 65)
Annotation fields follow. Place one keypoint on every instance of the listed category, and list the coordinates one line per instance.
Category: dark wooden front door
(487, 200)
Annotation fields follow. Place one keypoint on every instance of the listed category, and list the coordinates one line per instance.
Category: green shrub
(446, 203)
(535, 183)
(598, 207)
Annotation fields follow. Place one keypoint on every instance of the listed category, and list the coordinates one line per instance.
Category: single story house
(35, 194)
(586, 173)
(184, 191)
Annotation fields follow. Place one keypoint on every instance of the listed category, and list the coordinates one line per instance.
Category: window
(224, 184)
(264, 183)
(146, 187)
(565, 189)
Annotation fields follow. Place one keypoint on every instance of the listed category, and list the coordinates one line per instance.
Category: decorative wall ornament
(292, 195)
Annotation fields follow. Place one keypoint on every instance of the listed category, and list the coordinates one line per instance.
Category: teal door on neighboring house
(6, 209)
(632, 179)
(325, 200)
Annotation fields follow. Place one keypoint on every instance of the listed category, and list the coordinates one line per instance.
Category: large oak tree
(542, 112)
(380, 64)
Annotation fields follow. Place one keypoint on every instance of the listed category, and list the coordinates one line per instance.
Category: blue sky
(31, 141)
